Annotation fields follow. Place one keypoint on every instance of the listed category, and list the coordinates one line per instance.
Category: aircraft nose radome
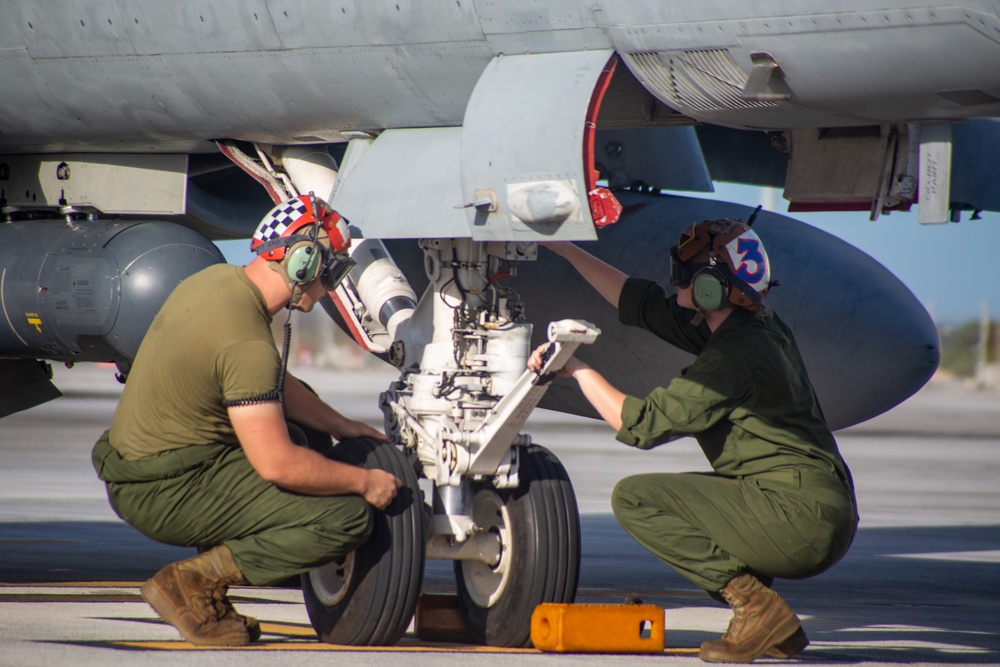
(867, 341)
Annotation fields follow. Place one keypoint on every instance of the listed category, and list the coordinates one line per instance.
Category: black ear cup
(709, 288)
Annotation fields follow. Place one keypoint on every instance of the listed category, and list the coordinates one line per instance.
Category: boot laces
(219, 602)
(223, 606)
(736, 622)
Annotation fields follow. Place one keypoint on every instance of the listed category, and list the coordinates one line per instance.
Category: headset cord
(285, 346)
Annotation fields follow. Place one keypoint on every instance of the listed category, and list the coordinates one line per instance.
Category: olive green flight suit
(172, 463)
(780, 502)
(210, 495)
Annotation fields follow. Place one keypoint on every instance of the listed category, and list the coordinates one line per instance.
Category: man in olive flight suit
(780, 502)
(199, 452)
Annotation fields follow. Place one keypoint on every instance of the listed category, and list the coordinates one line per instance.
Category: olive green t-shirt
(209, 347)
(746, 399)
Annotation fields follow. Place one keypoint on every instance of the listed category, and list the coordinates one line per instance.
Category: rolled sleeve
(687, 406)
(630, 301)
(632, 410)
(644, 304)
(248, 371)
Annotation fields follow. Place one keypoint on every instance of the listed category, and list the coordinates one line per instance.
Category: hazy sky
(950, 268)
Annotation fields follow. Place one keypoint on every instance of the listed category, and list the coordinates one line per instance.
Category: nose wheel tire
(538, 526)
(369, 597)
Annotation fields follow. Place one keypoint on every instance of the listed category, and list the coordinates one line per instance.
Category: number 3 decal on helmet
(729, 244)
(749, 262)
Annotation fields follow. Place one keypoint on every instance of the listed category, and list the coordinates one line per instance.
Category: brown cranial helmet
(723, 261)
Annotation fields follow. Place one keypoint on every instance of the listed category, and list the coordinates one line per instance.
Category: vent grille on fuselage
(703, 80)
(968, 98)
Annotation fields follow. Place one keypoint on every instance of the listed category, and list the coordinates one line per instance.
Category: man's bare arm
(263, 434)
(305, 407)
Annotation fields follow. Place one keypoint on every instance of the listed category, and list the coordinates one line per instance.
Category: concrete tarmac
(921, 584)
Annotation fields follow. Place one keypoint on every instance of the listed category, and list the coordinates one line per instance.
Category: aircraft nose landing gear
(503, 509)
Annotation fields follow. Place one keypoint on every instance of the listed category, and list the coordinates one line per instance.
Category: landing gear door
(526, 165)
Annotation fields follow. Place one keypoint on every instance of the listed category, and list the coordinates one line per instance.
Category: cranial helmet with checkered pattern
(289, 219)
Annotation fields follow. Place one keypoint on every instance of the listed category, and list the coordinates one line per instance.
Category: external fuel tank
(88, 290)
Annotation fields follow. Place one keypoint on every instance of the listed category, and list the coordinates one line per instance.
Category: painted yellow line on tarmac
(302, 638)
(334, 648)
(278, 636)
(319, 646)
(287, 629)
(73, 584)
(598, 592)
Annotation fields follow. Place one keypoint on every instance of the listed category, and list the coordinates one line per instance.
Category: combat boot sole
(790, 647)
(184, 617)
(722, 650)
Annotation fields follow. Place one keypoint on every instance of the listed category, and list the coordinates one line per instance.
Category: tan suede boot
(226, 609)
(790, 647)
(762, 624)
(191, 596)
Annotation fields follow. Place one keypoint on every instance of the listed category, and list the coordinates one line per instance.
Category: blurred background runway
(921, 583)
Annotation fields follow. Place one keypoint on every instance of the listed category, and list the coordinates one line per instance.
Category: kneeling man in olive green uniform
(199, 452)
(780, 502)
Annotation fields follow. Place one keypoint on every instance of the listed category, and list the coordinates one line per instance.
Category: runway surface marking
(127, 591)
(124, 591)
(892, 646)
(985, 556)
(298, 637)
(267, 594)
(279, 636)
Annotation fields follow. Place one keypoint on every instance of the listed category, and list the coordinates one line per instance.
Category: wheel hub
(330, 582)
(486, 583)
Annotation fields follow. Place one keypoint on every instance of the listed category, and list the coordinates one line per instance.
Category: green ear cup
(303, 262)
(708, 289)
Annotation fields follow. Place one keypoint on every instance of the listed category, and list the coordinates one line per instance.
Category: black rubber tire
(380, 593)
(544, 564)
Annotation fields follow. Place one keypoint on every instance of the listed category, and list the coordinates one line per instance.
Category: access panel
(527, 145)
